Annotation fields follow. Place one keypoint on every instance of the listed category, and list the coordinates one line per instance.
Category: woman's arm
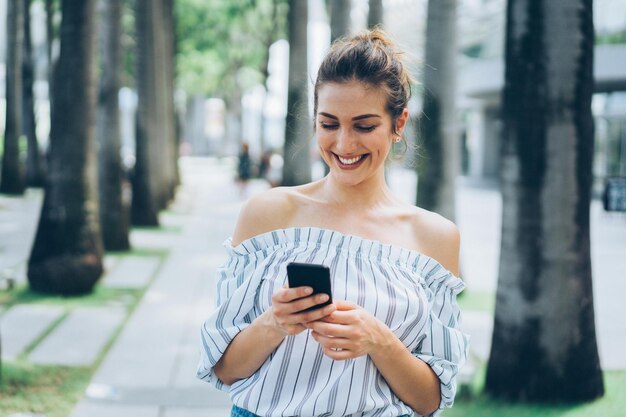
(351, 332)
(250, 349)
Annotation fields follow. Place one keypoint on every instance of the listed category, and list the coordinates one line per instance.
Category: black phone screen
(312, 275)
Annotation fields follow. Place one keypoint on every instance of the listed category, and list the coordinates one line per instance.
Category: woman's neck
(371, 193)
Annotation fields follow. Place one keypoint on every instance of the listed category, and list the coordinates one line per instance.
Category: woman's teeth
(350, 161)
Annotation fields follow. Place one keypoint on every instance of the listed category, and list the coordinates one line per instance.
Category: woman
(389, 344)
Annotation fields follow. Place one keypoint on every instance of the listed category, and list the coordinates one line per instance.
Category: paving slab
(90, 409)
(22, 324)
(153, 239)
(132, 272)
(110, 261)
(479, 326)
(80, 338)
(197, 412)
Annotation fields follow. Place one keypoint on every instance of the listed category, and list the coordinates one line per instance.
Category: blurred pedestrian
(270, 167)
(244, 167)
(389, 344)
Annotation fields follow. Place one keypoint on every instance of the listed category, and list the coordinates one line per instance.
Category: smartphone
(310, 275)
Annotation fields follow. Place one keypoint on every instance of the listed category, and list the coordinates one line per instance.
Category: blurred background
(131, 131)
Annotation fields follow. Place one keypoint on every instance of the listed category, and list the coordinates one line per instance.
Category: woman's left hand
(349, 332)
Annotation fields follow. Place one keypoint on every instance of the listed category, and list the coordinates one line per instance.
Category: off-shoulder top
(411, 293)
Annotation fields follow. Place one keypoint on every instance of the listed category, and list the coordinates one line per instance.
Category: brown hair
(371, 58)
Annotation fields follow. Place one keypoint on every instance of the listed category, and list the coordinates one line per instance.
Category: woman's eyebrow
(363, 116)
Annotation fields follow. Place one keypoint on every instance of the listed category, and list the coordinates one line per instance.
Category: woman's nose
(346, 142)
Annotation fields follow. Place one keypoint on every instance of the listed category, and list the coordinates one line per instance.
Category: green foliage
(129, 43)
(477, 301)
(616, 37)
(222, 46)
(612, 404)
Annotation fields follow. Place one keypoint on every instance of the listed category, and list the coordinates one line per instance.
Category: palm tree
(148, 176)
(544, 342)
(297, 166)
(34, 160)
(439, 166)
(66, 257)
(12, 175)
(339, 18)
(114, 214)
(375, 13)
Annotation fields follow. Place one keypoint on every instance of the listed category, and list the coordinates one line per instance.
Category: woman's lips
(352, 162)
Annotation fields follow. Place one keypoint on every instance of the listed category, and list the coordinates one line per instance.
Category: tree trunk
(34, 160)
(375, 13)
(114, 211)
(66, 257)
(298, 132)
(147, 179)
(52, 58)
(169, 119)
(544, 343)
(339, 19)
(12, 179)
(339, 27)
(439, 166)
(269, 40)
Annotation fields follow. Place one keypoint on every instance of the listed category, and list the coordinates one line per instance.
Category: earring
(397, 139)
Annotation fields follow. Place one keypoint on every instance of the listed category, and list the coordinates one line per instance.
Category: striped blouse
(411, 293)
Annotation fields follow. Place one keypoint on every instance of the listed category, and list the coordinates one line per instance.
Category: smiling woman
(389, 344)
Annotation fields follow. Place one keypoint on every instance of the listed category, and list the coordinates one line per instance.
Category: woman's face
(354, 130)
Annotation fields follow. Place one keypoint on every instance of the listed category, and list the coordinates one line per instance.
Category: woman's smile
(351, 162)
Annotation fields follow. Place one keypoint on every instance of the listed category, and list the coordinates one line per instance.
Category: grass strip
(49, 390)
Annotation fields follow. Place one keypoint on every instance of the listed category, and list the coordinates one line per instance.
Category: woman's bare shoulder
(266, 211)
(439, 238)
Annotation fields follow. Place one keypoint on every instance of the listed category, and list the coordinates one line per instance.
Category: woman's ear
(401, 121)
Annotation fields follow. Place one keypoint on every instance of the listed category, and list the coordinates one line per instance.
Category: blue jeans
(240, 412)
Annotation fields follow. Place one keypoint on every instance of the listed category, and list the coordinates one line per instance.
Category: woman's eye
(328, 126)
(366, 128)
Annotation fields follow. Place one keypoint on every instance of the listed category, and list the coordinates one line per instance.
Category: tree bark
(34, 159)
(439, 166)
(544, 342)
(12, 179)
(114, 210)
(375, 13)
(147, 179)
(339, 19)
(66, 257)
(169, 122)
(298, 131)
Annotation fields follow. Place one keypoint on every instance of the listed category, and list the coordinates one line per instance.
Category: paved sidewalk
(150, 369)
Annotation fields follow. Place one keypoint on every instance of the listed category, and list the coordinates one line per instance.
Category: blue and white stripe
(410, 292)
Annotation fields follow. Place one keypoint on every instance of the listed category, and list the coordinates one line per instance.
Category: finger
(343, 305)
(327, 329)
(336, 343)
(315, 315)
(339, 355)
(307, 302)
(287, 295)
(342, 317)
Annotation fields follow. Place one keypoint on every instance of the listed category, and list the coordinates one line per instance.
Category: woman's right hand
(287, 305)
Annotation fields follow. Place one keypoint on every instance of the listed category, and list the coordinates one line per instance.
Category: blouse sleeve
(443, 346)
(235, 299)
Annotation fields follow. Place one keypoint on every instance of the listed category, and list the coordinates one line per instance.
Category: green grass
(49, 390)
(612, 404)
(101, 296)
(477, 301)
